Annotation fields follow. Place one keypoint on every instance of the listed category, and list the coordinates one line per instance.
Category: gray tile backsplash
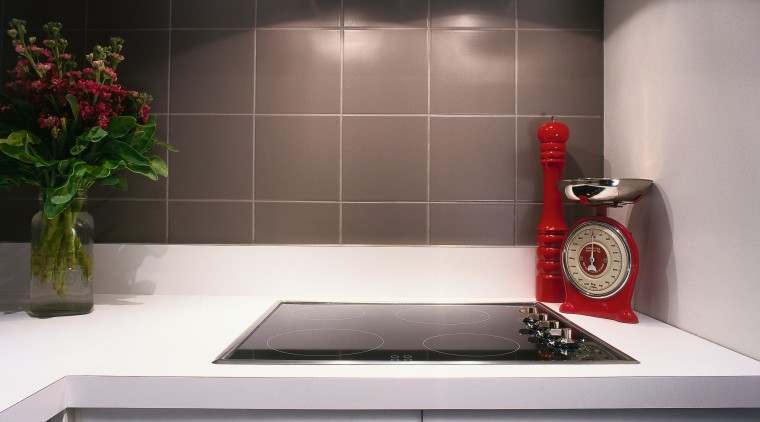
(213, 14)
(472, 14)
(384, 158)
(471, 159)
(297, 71)
(297, 158)
(216, 159)
(385, 14)
(211, 71)
(389, 223)
(382, 122)
(385, 71)
(472, 72)
(297, 222)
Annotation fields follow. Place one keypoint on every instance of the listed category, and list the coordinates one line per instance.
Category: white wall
(682, 107)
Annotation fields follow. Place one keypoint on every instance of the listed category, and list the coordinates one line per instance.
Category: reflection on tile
(212, 71)
(560, 72)
(215, 158)
(294, 222)
(210, 222)
(298, 13)
(385, 14)
(297, 157)
(298, 71)
(472, 13)
(385, 224)
(128, 221)
(127, 14)
(472, 224)
(384, 158)
(472, 72)
(560, 14)
(385, 71)
(216, 14)
(146, 68)
(584, 151)
(472, 158)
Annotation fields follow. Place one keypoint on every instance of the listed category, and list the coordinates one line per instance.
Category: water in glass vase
(62, 261)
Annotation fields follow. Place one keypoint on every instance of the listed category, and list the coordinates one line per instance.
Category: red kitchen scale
(599, 258)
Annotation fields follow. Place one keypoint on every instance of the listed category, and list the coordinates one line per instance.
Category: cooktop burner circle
(443, 315)
(328, 313)
(478, 345)
(325, 342)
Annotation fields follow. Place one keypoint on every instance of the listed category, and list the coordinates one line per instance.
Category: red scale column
(552, 227)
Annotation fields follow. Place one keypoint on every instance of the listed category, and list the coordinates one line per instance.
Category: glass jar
(62, 260)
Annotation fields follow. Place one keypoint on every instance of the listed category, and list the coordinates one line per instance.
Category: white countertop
(156, 351)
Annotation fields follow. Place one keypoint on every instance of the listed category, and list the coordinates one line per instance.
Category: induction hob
(407, 333)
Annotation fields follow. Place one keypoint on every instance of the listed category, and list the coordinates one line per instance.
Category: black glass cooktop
(321, 332)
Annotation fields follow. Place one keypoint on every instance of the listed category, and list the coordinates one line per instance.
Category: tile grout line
(341, 22)
(168, 122)
(458, 115)
(515, 209)
(429, 120)
(352, 28)
(253, 123)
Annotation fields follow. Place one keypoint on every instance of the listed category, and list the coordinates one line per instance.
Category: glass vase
(62, 261)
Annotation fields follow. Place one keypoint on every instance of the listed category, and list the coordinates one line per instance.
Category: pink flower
(49, 122)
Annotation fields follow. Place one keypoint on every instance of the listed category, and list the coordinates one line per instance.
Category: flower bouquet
(63, 129)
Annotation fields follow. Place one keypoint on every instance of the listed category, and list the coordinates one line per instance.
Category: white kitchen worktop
(156, 351)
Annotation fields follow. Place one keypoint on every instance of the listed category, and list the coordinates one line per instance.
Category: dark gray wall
(340, 122)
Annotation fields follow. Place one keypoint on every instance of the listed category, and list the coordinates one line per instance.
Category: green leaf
(167, 146)
(63, 165)
(15, 173)
(126, 153)
(25, 154)
(116, 181)
(64, 193)
(97, 172)
(77, 148)
(51, 209)
(95, 134)
(145, 170)
(139, 141)
(16, 152)
(74, 104)
(149, 127)
(113, 164)
(20, 138)
(120, 126)
(158, 165)
(7, 179)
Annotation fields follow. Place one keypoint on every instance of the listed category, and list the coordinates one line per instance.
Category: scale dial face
(596, 258)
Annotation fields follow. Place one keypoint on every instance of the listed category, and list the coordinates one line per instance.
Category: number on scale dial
(596, 259)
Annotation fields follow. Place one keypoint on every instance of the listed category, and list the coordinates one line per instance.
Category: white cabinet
(221, 415)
